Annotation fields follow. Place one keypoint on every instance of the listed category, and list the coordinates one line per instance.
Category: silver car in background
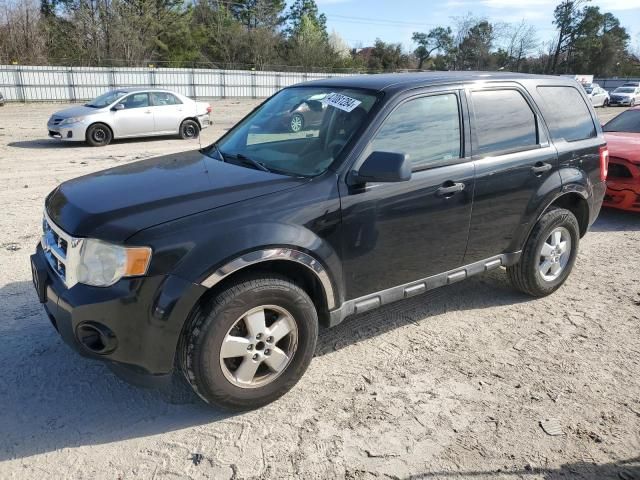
(130, 112)
(625, 96)
(599, 96)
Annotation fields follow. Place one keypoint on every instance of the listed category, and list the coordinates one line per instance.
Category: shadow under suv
(221, 264)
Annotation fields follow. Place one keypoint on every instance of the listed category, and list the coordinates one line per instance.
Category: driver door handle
(541, 167)
(449, 189)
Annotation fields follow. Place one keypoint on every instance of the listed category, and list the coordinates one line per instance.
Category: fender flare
(276, 253)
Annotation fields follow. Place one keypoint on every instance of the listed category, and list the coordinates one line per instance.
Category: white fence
(69, 84)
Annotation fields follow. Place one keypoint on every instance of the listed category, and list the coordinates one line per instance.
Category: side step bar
(393, 294)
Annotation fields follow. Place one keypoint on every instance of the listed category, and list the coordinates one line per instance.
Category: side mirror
(118, 106)
(382, 167)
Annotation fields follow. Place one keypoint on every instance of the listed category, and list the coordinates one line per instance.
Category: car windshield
(625, 90)
(299, 131)
(628, 121)
(106, 99)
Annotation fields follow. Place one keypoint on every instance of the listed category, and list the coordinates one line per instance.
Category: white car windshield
(299, 131)
(106, 99)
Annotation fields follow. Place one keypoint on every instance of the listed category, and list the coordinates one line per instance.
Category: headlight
(69, 120)
(102, 264)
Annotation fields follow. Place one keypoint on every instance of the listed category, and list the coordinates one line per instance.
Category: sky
(360, 22)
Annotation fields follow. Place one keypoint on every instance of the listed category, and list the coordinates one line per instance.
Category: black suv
(222, 263)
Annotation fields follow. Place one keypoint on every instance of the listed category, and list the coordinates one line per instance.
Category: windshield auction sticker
(340, 101)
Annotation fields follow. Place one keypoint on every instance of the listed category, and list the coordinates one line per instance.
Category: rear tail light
(604, 162)
(208, 108)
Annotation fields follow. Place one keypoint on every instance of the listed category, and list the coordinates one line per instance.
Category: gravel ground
(452, 384)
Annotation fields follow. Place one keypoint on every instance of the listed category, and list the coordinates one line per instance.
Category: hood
(77, 111)
(624, 145)
(116, 203)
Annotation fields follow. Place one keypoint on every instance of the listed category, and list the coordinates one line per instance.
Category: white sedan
(599, 96)
(130, 112)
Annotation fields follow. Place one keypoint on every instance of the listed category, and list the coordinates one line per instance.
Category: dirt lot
(452, 384)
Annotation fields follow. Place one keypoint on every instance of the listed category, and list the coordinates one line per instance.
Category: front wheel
(251, 344)
(189, 129)
(99, 135)
(548, 255)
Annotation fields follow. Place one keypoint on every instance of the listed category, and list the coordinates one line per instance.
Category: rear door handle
(540, 168)
(449, 189)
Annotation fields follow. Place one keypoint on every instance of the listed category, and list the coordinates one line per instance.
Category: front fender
(198, 246)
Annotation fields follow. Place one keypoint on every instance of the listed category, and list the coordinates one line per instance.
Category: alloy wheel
(296, 123)
(259, 346)
(555, 254)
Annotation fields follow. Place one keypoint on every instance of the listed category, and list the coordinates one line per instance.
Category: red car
(623, 181)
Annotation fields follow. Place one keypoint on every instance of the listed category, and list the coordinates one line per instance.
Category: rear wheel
(606, 102)
(189, 129)
(251, 344)
(548, 255)
(98, 135)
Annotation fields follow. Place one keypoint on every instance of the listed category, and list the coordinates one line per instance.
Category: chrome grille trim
(61, 250)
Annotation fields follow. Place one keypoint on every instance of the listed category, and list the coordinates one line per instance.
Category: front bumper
(623, 196)
(73, 132)
(622, 102)
(623, 185)
(145, 316)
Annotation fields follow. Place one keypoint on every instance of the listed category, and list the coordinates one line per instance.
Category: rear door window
(163, 98)
(566, 113)
(503, 122)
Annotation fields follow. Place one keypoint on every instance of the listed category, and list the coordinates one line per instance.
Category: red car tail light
(208, 108)
(604, 162)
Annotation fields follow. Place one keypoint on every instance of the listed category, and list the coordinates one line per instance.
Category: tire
(216, 379)
(189, 129)
(99, 135)
(605, 103)
(633, 102)
(296, 124)
(527, 275)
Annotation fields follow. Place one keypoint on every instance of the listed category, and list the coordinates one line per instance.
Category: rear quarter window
(566, 114)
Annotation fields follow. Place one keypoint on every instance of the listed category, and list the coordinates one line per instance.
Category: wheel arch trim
(276, 253)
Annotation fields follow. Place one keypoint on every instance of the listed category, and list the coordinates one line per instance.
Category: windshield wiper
(250, 161)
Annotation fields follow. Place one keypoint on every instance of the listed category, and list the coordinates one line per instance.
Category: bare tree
(20, 34)
(522, 41)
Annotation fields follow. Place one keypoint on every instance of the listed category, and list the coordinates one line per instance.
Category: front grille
(61, 250)
(617, 170)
